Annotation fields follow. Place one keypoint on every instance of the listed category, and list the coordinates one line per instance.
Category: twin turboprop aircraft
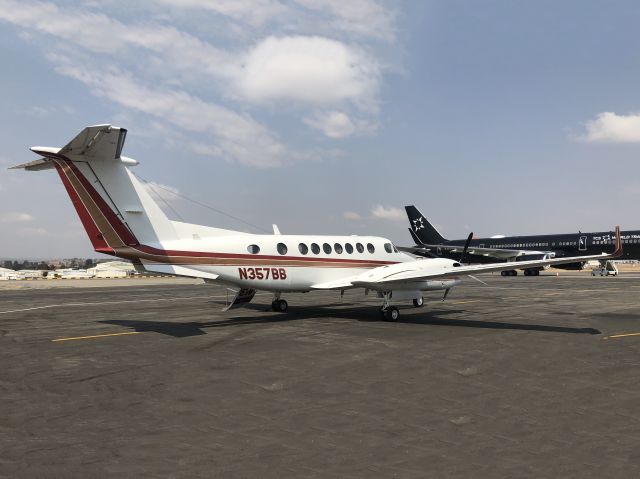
(121, 219)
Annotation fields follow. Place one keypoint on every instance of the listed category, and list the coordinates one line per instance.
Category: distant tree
(8, 264)
(42, 266)
(88, 263)
(15, 265)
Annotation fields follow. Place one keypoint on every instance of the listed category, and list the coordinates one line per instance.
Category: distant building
(7, 274)
(112, 269)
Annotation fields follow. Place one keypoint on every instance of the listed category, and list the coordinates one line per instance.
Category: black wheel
(391, 314)
(275, 305)
(418, 302)
(514, 272)
(504, 273)
(283, 306)
(536, 273)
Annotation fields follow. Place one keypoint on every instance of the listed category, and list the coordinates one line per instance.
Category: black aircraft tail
(421, 228)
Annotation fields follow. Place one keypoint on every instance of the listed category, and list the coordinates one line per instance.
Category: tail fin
(423, 230)
(114, 207)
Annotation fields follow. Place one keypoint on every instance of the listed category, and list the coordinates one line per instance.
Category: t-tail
(421, 230)
(114, 206)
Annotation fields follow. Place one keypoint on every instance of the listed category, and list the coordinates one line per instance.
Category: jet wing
(501, 253)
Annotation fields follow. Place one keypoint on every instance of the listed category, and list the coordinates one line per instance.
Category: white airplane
(123, 220)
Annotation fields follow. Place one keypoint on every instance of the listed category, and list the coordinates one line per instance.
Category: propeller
(466, 247)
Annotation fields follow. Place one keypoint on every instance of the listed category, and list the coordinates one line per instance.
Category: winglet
(618, 242)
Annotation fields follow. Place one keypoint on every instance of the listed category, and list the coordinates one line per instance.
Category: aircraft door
(582, 243)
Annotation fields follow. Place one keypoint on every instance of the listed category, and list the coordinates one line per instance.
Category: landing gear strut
(279, 305)
(388, 312)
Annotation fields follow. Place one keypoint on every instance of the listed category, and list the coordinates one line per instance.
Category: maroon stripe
(202, 254)
(96, 238)
(122, 231)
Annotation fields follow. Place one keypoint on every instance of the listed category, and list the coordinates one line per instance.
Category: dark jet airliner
(429, 242)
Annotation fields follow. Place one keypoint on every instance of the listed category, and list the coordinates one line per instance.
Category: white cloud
(333, 124)
(316, 59)
(33, 232)
(253, 12)
(364, 17)
(239, 137)
(311, 70)
(351, 215)
(391, 213)
(16, 217)
(608, 127)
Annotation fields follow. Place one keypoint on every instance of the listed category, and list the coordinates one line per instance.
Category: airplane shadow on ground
(431, 317)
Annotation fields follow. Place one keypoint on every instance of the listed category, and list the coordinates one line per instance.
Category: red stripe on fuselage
(95, 236)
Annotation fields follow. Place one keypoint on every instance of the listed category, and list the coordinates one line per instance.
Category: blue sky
(327, 116)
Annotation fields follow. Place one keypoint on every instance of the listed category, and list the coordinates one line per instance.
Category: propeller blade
(463, 256)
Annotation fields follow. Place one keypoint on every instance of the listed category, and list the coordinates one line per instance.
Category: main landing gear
(511, 272)
(388, 312)
(279, 305)
(532, 272)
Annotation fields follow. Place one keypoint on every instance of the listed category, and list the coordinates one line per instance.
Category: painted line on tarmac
(623, 335)
(48, 306)
(95, 336)
(467, 301)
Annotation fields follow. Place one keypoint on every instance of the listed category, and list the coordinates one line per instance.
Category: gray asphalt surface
(528, 377)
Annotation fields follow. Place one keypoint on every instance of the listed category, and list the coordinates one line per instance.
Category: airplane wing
(501, 253)
(423, 270)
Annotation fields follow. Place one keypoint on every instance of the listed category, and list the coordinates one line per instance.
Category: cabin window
(282, 248)
(327, 248)
(360, 248)
(315, 249)
(253, 249)
(370, 248)
(303, 248)
(348, 247)
(388, 248)
(338, 248)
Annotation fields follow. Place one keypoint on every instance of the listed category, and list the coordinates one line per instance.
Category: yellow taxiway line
(625, 335)
(95, 336)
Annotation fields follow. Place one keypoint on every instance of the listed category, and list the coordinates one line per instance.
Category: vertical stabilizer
(423, 230)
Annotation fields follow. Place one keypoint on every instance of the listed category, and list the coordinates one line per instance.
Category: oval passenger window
(304, 249)
(315, 248)
(282, 248)
(348, 248)
(370, 248)
(327, 248)
(338, 248)
(253, 249)
(360, 248)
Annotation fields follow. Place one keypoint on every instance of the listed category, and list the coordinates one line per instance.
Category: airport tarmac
(526, 377)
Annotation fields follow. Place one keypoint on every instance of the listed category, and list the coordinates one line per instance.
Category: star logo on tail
(418, 224)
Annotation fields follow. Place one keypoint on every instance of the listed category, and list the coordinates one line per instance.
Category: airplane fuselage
(281, 262)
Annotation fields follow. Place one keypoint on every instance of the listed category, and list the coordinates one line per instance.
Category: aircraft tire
(282, 306)
(419, 302)
(527, 272)
(391, 314)
(503, 273)
(536, 273)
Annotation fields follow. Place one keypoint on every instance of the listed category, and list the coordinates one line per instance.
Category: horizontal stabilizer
(35, 165)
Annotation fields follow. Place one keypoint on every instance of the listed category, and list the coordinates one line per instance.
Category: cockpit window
(388, 248)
